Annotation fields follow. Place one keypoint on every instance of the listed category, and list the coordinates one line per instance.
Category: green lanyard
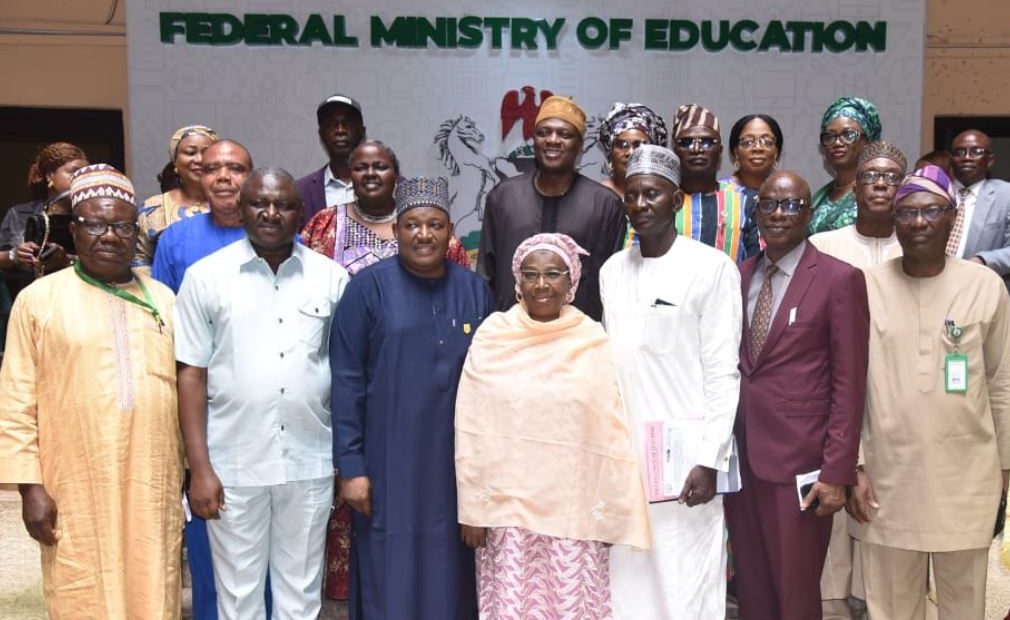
(147, 303)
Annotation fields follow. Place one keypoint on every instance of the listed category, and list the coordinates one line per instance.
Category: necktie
(955, 233)
(762, 314)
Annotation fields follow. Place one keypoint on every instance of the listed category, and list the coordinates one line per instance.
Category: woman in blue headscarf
(848, 125)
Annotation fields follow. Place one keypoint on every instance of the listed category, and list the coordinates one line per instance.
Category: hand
(861, 498)
(830, 498)
(358, 493)
(38, 511)
(699, 488)
(58, 259)
(473, 537)
(206, 494)
(25, 255)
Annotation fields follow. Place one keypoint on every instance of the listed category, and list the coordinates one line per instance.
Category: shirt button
(276, 288)
(282, 356)
(282, 390)
(280, 320)
(282, 428)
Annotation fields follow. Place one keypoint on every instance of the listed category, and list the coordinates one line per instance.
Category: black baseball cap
(335, 100)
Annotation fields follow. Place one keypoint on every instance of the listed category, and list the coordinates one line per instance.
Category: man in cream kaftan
(88, 424)
(936, 433)
(674, 323)
(87, 408)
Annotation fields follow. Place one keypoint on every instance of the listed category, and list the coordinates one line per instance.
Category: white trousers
(282, 527)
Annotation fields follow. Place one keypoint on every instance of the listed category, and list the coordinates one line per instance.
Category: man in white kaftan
(673, 311)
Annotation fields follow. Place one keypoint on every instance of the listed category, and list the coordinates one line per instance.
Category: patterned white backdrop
(440, 109)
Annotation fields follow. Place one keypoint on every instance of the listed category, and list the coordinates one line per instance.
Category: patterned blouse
(831, 215)
(158, 213)
(333, 233)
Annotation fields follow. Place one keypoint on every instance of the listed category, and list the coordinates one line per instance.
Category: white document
(669, 459)
(805, 481)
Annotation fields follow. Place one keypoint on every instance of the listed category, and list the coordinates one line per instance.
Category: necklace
(375, 219)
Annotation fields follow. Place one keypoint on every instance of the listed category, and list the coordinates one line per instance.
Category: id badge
(955, 372)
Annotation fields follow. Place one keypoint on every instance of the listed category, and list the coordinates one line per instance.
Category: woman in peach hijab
(546, 476)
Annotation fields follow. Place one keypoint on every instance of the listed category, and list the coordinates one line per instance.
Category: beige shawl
(542, 440)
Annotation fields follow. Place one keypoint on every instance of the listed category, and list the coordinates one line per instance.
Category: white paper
(676, 460)
(804, 479)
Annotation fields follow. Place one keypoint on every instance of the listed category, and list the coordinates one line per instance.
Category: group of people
(639, 371)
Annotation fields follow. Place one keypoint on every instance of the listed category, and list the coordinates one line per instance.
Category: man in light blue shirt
(252, 327)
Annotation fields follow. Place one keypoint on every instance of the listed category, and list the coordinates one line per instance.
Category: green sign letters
(523, 33)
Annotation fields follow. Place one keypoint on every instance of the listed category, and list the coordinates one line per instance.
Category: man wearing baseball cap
(341, 129)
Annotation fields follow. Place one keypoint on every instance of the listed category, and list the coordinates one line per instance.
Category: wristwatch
(12, 254)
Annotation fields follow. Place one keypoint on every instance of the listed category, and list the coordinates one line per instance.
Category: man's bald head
(972, 156)
(788, 183)
(783, 212)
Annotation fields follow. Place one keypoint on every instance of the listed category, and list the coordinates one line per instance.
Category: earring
(519, 297)
(49, 183)
(175, 170)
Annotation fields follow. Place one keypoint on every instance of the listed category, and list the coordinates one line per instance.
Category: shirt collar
(250, 257)
(861, 238)
(788, 263)
(329, 179)
(975, 188)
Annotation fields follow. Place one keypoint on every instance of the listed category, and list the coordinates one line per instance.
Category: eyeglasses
(975, 151)
(531, 276)
(624, 145)
(847, 137)
(95, 228)
(789, 206)
(870, 177)
(701, 144)
(750, 142)
(907, 215)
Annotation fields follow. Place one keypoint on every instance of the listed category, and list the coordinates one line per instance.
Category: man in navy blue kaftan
(399, 339)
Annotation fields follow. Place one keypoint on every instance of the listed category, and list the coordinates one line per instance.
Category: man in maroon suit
(803, 361)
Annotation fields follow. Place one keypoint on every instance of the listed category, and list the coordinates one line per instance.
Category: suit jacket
(312, 189)
(989, 231)
(801, 402)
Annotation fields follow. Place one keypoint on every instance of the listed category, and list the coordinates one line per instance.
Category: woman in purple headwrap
(627, 126)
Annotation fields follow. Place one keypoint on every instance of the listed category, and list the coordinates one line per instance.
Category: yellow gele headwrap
(565, 109)
(189, 130)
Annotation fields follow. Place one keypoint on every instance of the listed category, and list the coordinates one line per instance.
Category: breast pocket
(314, 322)
(970, 342)
(660, 327)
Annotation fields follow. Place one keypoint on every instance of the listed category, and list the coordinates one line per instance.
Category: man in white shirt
(673, 313)
(981, 231)
(341, 130)
(252, 327)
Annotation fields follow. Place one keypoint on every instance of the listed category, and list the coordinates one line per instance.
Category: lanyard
(147, 303)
